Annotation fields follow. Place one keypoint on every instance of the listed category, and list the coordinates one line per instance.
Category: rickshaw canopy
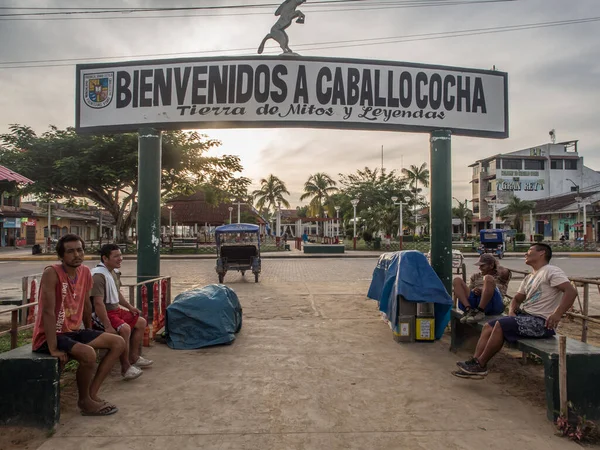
(492, 235)
(237, 228)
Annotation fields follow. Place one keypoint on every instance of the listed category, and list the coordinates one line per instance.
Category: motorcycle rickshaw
(492, 241)
(238, 248)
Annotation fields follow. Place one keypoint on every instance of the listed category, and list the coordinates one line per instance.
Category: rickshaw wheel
(256, 278)
(221, 276)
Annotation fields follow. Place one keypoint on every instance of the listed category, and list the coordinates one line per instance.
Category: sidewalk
(314, 367)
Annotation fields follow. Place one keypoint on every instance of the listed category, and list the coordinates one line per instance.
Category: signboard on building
(520, 185)
(11, 222)
(262, 91)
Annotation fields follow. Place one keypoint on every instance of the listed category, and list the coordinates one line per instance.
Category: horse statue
(287, 13)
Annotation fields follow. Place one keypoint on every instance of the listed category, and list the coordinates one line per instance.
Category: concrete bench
(583, 366)
(29, 388)
(323, 248)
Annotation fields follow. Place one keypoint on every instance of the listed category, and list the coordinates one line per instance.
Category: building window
(570, 164)
(574, 188)
(556, 164)
(513, 164)
(533, 164)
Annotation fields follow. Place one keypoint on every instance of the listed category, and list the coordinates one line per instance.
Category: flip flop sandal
(106, 410)
(460, 374)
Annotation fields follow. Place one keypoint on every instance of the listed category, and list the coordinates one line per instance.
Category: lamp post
(491, 201)
(354, 205)
(170, 208)
(278, 230)
(580, 204)
(337, 216)
(400, 225)
(230, 210)
(325, 227)
(464, 217)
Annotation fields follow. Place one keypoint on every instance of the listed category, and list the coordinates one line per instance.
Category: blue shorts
(523, 325)
(494, 307)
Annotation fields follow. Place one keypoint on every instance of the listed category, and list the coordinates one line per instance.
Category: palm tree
(415, 175)
(271, 193)
(517, 208)
(319, 187)
(463, 213)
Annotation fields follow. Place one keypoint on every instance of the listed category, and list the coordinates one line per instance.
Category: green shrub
(538, 237)
(520, 237)
(367, 236)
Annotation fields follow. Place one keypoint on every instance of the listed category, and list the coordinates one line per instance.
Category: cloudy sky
(553, 71)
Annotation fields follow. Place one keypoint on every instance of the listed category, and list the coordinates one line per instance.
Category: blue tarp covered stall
(202, 317)
(408, 274)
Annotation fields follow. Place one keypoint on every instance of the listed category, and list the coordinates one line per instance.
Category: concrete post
(148, 223)
(441, 206)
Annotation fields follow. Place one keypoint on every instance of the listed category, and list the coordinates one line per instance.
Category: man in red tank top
(63, 305)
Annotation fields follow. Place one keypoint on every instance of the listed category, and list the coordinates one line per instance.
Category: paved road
(201, 271)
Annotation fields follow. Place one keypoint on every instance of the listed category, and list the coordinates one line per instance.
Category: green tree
(271, 192)
(104, 168)
(319, 188)
(462, 212)
(517, 208)
(415, 175)
(302, 211)
(371, 187)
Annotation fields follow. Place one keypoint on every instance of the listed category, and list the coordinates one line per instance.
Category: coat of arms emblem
(98, 89)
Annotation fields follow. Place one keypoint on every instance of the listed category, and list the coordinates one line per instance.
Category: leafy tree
(319, 188)
(271, 193)
(417, 175)
(462, 212)
(517, 208)
(372, 187)
(302, 211)
(104, 168)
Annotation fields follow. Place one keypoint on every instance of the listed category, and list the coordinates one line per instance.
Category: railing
(161, 299)
(161, 289)
(584, 307)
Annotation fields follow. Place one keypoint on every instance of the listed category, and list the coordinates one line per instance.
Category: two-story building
(535, 173)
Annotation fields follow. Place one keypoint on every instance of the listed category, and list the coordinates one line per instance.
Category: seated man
(535, 311)
(485, 291)
(63, 305)
(114, 314)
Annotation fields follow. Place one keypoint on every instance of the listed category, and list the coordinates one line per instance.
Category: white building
(535, 173)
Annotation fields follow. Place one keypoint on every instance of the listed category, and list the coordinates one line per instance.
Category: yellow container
(425, 329)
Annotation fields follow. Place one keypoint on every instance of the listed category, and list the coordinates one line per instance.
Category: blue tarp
(408, 274)
(202, 317)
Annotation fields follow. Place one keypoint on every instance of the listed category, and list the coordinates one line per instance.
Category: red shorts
(119, 317)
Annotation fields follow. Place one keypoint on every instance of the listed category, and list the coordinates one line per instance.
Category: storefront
(10, 231)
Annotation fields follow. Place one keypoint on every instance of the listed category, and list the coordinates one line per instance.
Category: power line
(366, 7)
(315, 46)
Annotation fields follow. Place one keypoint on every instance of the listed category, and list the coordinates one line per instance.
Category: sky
(553, 72)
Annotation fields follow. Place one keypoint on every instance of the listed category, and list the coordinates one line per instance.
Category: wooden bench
(29, 388)
(583, 366)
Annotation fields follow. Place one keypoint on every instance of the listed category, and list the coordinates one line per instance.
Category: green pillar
(148, 218)
(441, 206)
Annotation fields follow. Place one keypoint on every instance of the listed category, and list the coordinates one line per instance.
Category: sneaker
(143, 362)
(132, 373)
(477, 315)
(472, 367)
(466, 315)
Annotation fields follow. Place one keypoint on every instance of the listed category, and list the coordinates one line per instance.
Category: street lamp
(491, 201)
(325, 227)
(464, 217)
(400, 225)
(277, 232)
(354, 205)
(337, 216)
(580, 203)
(230, 210)
(170, 208)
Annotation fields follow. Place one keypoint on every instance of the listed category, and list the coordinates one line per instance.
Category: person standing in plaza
(63, 306)
(114, 314)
